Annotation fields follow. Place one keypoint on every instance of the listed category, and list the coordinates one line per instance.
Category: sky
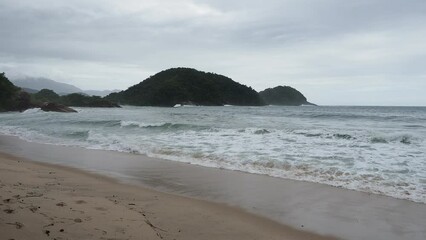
(336, 52)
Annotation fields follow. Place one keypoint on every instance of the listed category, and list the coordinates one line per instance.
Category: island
(284, 96)
(187, 86)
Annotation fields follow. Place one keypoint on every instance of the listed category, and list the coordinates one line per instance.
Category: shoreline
(322, 209)
(44, 200)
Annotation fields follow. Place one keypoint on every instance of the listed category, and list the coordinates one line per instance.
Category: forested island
(187, 86)
(168, 88)
(283, 95)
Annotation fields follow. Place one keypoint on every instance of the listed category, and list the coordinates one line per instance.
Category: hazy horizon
(334, 52)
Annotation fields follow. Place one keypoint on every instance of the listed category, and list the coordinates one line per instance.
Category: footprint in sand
(8, 200)
(61, 204)
(80, 202)
(101, 208)
(34, 194)
(18, 225)
(9, 211)
(34, 209)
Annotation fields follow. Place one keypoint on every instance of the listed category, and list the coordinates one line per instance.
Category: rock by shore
(55, 107)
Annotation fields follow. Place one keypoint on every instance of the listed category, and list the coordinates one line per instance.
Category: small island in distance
(168, 88)
(285, 96)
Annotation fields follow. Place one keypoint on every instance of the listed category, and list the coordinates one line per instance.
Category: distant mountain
(284, 96)
(29, 90)
(187, 86)
(33, 85)
(45, 83)
(99, 92)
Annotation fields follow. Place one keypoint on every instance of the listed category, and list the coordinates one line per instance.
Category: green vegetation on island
(13, 98)
(187, 86)
(284, 96)
(8, 93)
(80, 100)
(73, 99)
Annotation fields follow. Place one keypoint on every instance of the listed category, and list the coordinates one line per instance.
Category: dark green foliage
(45, 95)
(9, 94)
(79, 100)
(187, 86)
(283, 95)
(74, 99)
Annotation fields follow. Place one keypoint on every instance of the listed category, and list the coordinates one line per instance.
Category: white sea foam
(32, 110)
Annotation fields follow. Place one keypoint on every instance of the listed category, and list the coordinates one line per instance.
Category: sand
(44, 201)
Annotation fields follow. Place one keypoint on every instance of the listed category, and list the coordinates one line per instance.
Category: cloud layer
(360, 52)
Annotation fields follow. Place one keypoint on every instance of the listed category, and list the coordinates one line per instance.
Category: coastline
(42, 200)
(319, 208)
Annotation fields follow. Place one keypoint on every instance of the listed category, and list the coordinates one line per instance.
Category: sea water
(378, 150)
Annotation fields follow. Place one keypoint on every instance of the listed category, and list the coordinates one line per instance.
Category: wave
(404, 139)
(343, 136)
(353, 116)
(162, 126)
(78, 134)
(377, 183)
(374, 139)
(96, 123)
(32, 111)
(414, 126)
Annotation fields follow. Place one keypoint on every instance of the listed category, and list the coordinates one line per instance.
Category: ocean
(379, 150)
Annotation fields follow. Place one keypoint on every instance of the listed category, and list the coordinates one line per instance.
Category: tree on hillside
(8, 93)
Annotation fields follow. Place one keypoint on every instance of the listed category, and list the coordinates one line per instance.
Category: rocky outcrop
(23, 102)
(55, 107)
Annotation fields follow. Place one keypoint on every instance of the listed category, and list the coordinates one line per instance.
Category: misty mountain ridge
(37, 84)
(100, 93)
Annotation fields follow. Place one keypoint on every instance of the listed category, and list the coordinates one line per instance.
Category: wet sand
(42, 201)
(304, 206)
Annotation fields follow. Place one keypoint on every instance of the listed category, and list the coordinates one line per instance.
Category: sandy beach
(44, 201)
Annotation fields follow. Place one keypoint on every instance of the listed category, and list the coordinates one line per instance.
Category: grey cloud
(312, 45)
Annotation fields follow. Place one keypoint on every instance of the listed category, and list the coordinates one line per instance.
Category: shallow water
(371, 149)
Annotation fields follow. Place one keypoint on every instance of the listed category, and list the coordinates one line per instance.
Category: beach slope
(43, 201)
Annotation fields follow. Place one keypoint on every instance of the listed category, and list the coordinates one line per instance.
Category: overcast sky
(344, 52)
